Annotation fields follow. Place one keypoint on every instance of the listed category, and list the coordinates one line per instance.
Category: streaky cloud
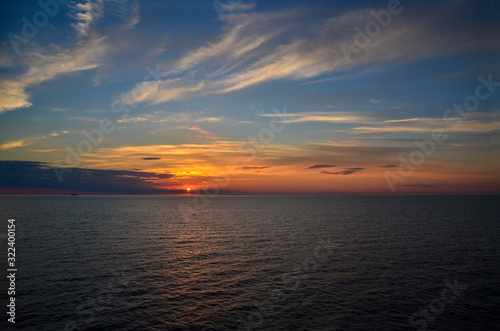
(321, 166)
(347, 171)
(255, 55)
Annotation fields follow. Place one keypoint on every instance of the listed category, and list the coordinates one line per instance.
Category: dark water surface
(254, 262)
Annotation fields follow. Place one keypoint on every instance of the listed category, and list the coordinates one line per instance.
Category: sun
(188, 189)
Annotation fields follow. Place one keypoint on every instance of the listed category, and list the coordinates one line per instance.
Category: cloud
(84, 53)
(253, 168)
(59, 109)
(322, 116)
(82, 118)
(449, 125)
(347, 171)
(344, 155)
(346, 142)
(47, 65)
(90, 12)
(388, 166)
(321, 166)
(86, 14)
(419, 119)
(205, 134)
(246, 53)
(201, 160)
(151, 158)
(167, 117)
(232, 7)
(28, 141)
(5, 60)
(134, 17)
(244, 34)
(41, 175)
(19, 143)
(13, 96)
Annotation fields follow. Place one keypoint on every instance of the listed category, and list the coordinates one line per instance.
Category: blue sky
(200, 79)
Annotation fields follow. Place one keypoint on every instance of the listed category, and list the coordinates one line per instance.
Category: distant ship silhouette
(74, 194)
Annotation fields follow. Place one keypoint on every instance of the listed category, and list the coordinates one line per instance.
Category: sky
(249, 97)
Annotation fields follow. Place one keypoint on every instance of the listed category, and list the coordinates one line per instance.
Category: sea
(252, 262)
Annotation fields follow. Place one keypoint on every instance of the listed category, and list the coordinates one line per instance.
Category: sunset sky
(266, 97)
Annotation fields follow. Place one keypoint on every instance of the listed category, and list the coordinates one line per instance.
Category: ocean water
(254, 263)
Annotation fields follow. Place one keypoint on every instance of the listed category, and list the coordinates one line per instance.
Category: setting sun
(188, 189)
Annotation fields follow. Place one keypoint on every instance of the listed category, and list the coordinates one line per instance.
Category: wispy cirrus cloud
(85, 14)
(86, 52)
(29, 140)
(88, 13)
(346, 142)
(160, 116)
(241, 37)
(322, 116)
(473, 122)
(47, 66)
(247, 54)
(134, 17)
(204, 133)
(419, 119)
(19, 143)
(232, 7)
